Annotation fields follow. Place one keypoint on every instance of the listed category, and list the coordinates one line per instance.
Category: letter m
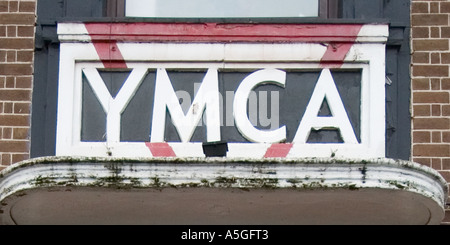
(206, 100)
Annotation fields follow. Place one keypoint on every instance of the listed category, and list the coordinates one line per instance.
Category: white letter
(114, 107)
(243, 123)
(165, 97)
(325, 88)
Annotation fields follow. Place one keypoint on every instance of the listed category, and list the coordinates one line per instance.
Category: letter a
(325, 89)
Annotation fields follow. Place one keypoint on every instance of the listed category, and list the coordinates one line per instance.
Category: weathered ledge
(308, 174)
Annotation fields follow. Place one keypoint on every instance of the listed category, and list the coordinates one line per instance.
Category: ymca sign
(138, 90)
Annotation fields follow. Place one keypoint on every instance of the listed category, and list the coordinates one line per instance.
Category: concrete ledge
(56, 190)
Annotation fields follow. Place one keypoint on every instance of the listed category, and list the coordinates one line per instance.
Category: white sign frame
(78, 53)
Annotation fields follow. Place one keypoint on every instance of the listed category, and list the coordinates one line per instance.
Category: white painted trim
(72, 32)
(69, 94)
(373, 34)
(76, 32)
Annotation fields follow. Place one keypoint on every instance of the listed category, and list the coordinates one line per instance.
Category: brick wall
(17, 21)
(431, 85)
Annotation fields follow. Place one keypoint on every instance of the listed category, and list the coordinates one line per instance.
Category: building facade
(18, 28)
(40, 40)
(430, 144)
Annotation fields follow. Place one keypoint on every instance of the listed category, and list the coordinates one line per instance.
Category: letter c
(243, 124)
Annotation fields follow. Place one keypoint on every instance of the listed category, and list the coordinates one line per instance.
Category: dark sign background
(292, 103)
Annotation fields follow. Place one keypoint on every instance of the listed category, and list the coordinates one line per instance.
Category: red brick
(7, 133)
(435, 110)
(24, 82)
(431, 45)
(445, 32)
(6, 159)
(25, 31)
(11, 31)
(421, 57)
(431, 123)
(435, 58)
(436, 137)
(15, 95)
(420, 32)
(13, 6)
(16, 69)
(446, 163)
(2, 56)
(430, 71)
(7, 107)
(16, 18)
(25, 7)
(445, 7)
(446, 175)
(19, 157)
(431, 97)
(436, 84)
(446, 110)
(436, 163)
(431, 150)
(423, 161)
(16, 43)
(4, 6)
(435, 32)
(11, 56)
(25, 56)
(421, 110)
(14, 146)
(429, 19)
(20, 133)
(14, 120)
(445, 83)
(445, 58)
(21, 108)
(419, 7)
(421, 137)
(421, 84)
(446, 137)
(434, 7)
(436, 166)
(2, 31)
(10, 82)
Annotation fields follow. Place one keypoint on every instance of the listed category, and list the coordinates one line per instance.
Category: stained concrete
(226, 206)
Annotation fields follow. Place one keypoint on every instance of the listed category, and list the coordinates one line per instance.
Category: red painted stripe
(338, 37)
(160, 149)
(278, 150)
(337, 51)
(335, 55)
(223, 32)
(107, 50)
